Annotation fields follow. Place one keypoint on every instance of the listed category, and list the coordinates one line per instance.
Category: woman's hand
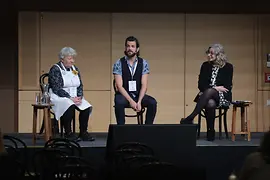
(221, 89)
(76, 100)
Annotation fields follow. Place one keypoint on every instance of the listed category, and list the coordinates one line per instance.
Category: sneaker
(85, 136)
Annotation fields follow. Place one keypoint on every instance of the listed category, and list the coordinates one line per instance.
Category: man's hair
(132, 38)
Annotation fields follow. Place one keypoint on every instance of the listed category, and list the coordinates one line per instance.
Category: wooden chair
(138, 115)
(222, 111)
(54, 121)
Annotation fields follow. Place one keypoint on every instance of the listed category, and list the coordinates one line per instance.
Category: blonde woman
(215, 86)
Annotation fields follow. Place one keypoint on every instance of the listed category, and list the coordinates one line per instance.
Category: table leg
(34, 125)
(233, 123)
(47, 125)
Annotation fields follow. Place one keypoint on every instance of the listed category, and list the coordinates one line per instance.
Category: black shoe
(85, 136)
(185, 121)
(71, 136)
(211, 135)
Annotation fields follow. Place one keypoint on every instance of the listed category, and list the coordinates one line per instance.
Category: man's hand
(139, 106)
(133, 105)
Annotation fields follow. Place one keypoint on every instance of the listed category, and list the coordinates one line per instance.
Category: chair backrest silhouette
(72, 148)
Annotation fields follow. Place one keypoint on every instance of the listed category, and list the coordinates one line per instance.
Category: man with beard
(131, 77)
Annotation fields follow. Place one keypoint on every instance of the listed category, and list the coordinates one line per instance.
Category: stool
(245, 122)
(47, 121)
(139, 115)
(220, 114)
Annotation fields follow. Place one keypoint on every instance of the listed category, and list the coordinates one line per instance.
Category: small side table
(245, 122)
(47, 120)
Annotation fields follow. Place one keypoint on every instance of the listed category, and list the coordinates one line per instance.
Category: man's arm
(144, 80)
(119, 87)
(117, 71)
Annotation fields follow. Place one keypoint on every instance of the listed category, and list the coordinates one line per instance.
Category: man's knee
(120, 100)
(152, 101)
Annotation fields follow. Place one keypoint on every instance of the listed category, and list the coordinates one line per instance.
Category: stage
(220, 157)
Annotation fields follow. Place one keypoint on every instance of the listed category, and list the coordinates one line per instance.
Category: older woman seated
(66, 93)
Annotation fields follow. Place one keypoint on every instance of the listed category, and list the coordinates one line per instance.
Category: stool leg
(74, 122)
(138, 118)
(49, 121)
(243, 122)
(248, 126)
(233, 123)
(47, 124)
(220, 123)
(141, 118)
(34, 125)
(61, 127)
(243, 119)
(225, 124)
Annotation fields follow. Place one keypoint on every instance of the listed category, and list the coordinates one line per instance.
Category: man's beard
(130, 55)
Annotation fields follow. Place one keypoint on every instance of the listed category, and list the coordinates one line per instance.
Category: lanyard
(134, 70)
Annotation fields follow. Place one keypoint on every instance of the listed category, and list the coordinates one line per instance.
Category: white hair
(67, 51)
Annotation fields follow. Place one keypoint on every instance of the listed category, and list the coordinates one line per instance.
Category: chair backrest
(46, 161)
(141, 147)
(42, 80)
(74, 167)
(71, 147)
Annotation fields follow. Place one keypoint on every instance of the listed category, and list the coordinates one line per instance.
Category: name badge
(132, 85)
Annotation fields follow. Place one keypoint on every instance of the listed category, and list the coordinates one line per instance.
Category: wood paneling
(29, 50)
(263, 111)
(26, 99)
(100, 118)
(89, 34)
(161, 38)
(263, 50)
(173, 44)
(8, 110)
(236, 34)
